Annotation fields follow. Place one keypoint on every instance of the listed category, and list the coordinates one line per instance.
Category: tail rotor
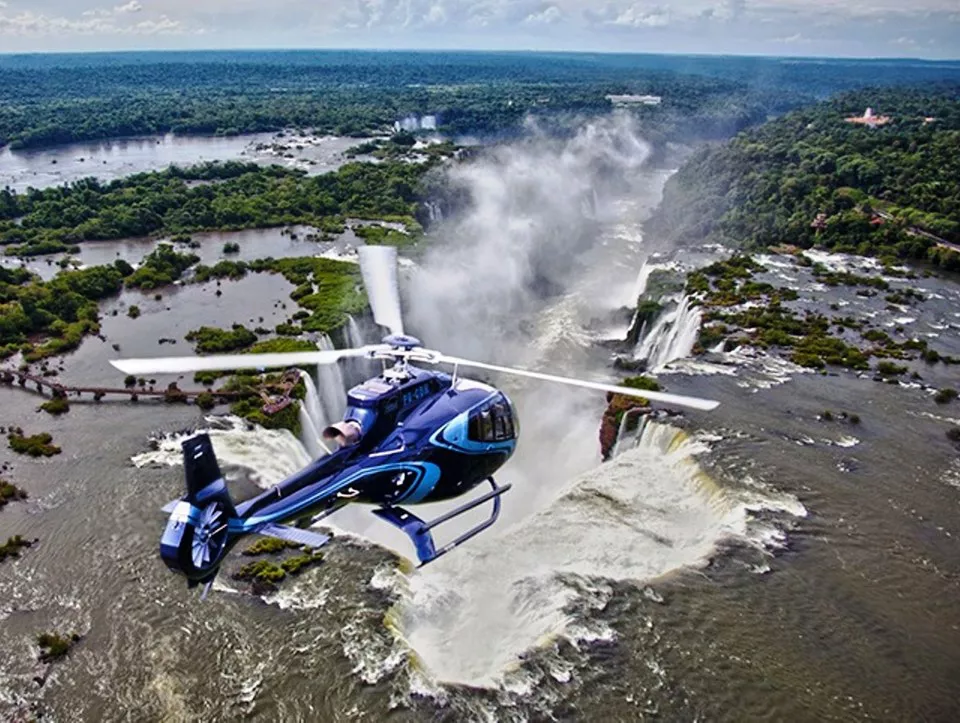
(197, 536)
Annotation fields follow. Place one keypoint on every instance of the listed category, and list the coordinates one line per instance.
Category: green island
(37, 445)
(54, 647)
(824, 176)
(264, 574)
(12, 547)
(9, 492)
(214, 196)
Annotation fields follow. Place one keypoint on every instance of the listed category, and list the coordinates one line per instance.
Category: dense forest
(814, 177)
(210, 196)
(50, 99)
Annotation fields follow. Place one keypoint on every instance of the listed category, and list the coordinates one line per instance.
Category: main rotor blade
(227, 362)
(379, 267)
(693, 402)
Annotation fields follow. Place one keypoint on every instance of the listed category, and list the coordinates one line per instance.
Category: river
(756, 562)
(109, 160)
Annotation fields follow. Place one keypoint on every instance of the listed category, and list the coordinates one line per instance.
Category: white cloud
(639, 16)
(96, 21)
(795, 38)
(825, 27)
(547, 16)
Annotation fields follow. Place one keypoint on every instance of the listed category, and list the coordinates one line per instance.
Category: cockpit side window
(493, 422)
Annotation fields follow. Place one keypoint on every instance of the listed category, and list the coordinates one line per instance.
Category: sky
(856, 28)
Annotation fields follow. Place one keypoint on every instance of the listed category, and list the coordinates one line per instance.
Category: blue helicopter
(408, 436)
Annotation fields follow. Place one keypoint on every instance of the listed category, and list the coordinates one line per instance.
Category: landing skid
(419, 531)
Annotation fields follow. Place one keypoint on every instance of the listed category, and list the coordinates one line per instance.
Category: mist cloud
(528, 216)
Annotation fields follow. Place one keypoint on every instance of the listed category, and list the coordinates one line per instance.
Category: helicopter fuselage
(425, 437)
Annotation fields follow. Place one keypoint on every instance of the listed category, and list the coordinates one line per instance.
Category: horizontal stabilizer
(170, 506)
(295, 534)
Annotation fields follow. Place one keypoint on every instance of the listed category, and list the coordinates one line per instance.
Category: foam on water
(269, 455)
(650, 511)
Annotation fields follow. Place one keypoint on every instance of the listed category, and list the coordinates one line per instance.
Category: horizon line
(487, 51)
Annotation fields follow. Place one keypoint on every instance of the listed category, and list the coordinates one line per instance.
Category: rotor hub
(402, 341)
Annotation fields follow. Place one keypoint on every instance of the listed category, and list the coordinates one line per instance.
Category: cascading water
(312, 419)
(672, 337)
(358, 370)
(354, 334)
(434, 211)
(330, 386)
(642, 278)
(649, 511)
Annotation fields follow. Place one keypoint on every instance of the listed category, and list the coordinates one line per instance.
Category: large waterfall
(330, 385)
(312, 419)
(326, 397)
(672, 337)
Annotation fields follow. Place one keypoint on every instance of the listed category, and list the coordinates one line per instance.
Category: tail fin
(200, 466)
(198, 533)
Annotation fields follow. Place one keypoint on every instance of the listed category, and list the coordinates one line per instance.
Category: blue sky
(874, 28)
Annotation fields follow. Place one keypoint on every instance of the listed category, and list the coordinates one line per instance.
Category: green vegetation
(251, 409)
(261, 571)
(56, 406)
(166, 203)
(296, 565)
(44, 318)
(270, 573)
(231, 247)
(12, 547)
(70, 98)
(813, 179)
(269, 546)
(210, 340)
(724, 286)
(206, 401)
(221, 270)
(133, 311)
(9, 492)
(54, 646)
(330, 290)
(161, 267)
(813, 340)
(889, 369)
(38, 445)
(644, 383)
(268, 346)
(945, 395)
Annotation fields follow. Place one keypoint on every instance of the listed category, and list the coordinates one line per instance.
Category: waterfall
(434, 211)
(313, 419)
(330, 386)
(310, 435)
(642, 278)
(354, 335)
(672, 337)
(357, 371)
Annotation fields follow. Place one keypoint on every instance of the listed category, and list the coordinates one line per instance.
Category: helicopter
(410, 435)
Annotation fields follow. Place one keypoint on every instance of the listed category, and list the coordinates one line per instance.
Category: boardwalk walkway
(275, 396)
